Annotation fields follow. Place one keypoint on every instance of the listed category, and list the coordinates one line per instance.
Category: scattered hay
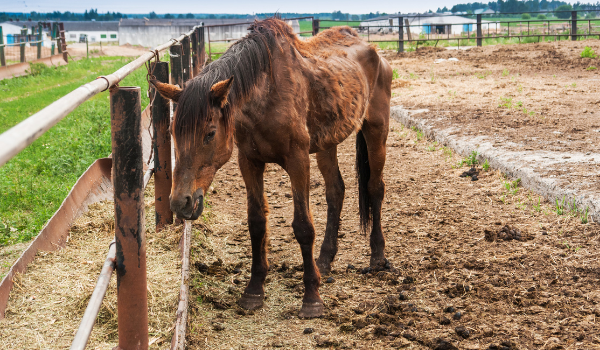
(48, 301)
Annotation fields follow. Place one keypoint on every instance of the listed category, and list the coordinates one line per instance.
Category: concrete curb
(516, 164)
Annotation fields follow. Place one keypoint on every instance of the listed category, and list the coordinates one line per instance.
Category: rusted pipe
(91, 312)
(178, 340)
(162, 149)
(128, 180)
(23, 134)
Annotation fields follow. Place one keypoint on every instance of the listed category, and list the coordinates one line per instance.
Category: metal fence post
(128, 180)
(39, 45)
(574, 25)
(2, 57)
(185, 59)
(479, 31)
(162, 149)
(315, 24)
(194, 39)
(400, 34)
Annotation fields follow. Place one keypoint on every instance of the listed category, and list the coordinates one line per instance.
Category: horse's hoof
(380, 264)
(311, 310)
(251, 301)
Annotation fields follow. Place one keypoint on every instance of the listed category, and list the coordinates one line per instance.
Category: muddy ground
(531, 284)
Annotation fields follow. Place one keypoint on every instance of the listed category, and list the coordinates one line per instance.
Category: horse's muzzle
(189, 207)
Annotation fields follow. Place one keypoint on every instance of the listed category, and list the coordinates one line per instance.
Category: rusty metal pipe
(178, 340)
(162, 150)
(128, 180)
(91, 312)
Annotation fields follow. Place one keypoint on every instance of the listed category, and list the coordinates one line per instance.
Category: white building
(153, 32)
(11, 32)
(429, 23)
(96, 31)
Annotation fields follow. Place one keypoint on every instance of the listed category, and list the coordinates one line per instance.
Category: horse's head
(202, 131)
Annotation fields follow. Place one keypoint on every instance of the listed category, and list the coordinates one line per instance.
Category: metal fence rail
(573, 28)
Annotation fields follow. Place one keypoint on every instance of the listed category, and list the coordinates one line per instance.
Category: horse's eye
(209, 136)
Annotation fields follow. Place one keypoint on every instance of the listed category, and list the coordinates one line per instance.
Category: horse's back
(344, 75)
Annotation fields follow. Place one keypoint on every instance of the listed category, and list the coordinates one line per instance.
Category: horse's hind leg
(252, 173)
(298, 168)
(334, 192)
(375, 137)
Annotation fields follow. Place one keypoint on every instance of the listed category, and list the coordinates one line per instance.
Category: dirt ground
(531, 284)
(540, 96)
(79, 50)
(479, 264)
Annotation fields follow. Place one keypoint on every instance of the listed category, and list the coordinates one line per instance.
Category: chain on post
(150, 76)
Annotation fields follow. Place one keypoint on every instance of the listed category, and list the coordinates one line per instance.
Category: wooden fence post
(130, 238)
(162, 149)
(400, 34)
(479, 31)
(39, 38)
(22, 40)
(573, 25)
(2, 56)
(63, 41)
(201, 48)
(185, 59)
(315, 24)
(176, 65)
(407, 25)
(194, 40)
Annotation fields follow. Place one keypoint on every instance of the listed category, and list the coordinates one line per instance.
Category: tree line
(92, 14)
(521, 6)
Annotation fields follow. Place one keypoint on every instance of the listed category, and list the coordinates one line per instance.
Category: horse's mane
(247, 60)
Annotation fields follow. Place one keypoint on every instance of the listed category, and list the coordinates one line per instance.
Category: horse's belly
(337, 108)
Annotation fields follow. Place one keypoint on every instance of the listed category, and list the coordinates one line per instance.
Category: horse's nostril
(188, 202)
(179, 205)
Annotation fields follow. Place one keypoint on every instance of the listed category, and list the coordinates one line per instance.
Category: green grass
(35, 182)
(588, 52)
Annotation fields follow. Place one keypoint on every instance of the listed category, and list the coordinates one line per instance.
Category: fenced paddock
(359, 307)
(27, 48)
(424, 30)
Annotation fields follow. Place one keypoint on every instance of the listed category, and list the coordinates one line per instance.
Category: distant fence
(31, 46)
(232, 32)
(400, 30)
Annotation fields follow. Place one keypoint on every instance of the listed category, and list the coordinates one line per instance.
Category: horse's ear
(172, 92)
(220, 91)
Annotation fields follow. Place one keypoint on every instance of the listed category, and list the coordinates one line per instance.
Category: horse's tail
(363, 173)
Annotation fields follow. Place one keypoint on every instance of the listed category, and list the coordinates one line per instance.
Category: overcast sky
(229, 6)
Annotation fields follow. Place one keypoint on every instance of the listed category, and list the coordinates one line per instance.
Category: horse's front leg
(298, 168)
(252, 172)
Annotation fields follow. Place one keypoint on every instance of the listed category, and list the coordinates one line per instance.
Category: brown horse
(282, 99)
